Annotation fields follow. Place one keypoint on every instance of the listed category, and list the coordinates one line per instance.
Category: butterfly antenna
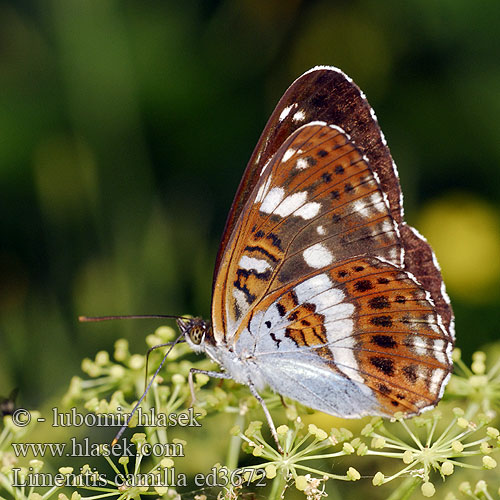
(86, 319)
(179, 339)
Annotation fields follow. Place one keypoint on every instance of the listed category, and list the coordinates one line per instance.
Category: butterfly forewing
(317, 202)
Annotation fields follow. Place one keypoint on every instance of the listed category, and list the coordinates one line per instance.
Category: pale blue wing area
(307, 379)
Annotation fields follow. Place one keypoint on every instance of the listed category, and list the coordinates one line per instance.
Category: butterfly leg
(270, 422)
(204, 372)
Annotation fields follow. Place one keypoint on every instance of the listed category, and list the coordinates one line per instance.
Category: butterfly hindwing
(362, 324)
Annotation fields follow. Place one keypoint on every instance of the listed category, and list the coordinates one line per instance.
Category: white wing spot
(291, 203)
(317, 256)
(249, 263)
(285, 112)
(272, 200)
(301, 164)
(263, 190)
(308, 211)
(299, 116)
(321, 230)
(437, 376)
(288, 154)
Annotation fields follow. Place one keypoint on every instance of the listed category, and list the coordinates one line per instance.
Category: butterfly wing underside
(312, 284)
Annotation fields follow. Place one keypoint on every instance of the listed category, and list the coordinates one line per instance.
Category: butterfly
(321, 291)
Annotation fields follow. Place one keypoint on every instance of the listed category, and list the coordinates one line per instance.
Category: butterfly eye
(196, 334)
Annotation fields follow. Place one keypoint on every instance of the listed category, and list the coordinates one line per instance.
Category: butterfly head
(196, 331)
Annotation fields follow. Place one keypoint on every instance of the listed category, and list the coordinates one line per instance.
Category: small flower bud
(353, 474)
(102, 358)
(301, 483)
(378, 442)
(65, 470)
(457, 446)
(282, 430)
(367, 430)
(485, 448)
(166, 463)
(378, 479)
(458, 412)
(481, 487)
(362, 449)
(36, 465)
(489, 462)
(465, 488)
(478, 367)
(178, 379)
(428, 489)
(257, 451)
(462, 422)
(235, 430)
(136, 362)
(347, 448)
(407, 457)
(270, 471)
(479, 356)
(456, 354)
(447, 468)
(492, 432)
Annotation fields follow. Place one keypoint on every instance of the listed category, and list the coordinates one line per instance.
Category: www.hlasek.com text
(88, 449)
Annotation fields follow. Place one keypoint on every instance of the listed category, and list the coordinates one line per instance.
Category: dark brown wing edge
(325, 93)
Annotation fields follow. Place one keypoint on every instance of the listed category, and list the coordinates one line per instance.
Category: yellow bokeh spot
(465, 235)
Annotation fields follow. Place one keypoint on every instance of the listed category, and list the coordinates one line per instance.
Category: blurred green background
(125, 127)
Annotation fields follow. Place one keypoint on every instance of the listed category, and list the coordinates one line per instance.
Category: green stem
(278, 487)
(233, 452)
(405, 489)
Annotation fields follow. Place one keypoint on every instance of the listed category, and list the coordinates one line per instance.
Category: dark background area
(125, 127)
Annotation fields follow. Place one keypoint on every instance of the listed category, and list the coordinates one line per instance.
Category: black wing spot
(339, 170)
(335, 195)
(358, 269)
(400, 299)
(311, 161)
(281, 309)
(336, 218)
(322, 153)
(278, 341)
(268, 324)
(383, 281)
(342, 274)
(326, 177)
(275, 240)
(383, 321)
(348, 187)
(385, 341)
(385, 365)
(363, 285)
(384, 389)
(379, 302)
(410, 372)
